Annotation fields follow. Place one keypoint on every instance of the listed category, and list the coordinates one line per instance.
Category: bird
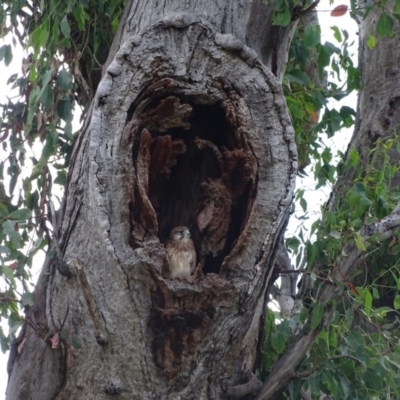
(181, 253)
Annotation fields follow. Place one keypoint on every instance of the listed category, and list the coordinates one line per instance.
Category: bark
(188, 127)
(377, 117)
(378, 106)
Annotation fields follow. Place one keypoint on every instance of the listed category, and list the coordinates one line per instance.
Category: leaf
(21, 215)
(339, 11)
(314, 116)
(64, 109)
(283, 17)
(278, 342)
(64, 80)
(397, 302)
(61, 178)
(8, 272)
(65, 29)
(316, 316)
(351, 286)
(367, 301)
(298, 76)
(6, 54)
(4, 250)
(13, 265)
(371, 42)
(293, 243)
(47, 98)
(360, 242)
(3, 210)
(76, 342)
(335, 234)
(80, 16)
(51, 145)
(384, 27)
(312, 36)
(27, 299)
(333, 340)
(336, 33)
(39, 37)
(9, 230)
(303, 204)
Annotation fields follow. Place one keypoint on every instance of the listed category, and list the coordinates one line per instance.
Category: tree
(186, 124)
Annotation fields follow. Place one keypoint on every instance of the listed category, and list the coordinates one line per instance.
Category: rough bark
(188, 127)
(249, 21)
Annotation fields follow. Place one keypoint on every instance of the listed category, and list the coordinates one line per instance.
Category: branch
(284, 370)
(252, 386)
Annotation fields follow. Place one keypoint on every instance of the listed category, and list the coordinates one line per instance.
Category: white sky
(314, 198)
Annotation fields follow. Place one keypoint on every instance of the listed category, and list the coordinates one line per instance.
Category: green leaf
(298, 76)
(27, 299)
(384, 27)
(3, 210)
(317, 315)
(64, 109)
(15, 325)
(367, 301)
(9, 229)
(336, 33)
(64, 80)
(65, 29)
(8, 272)
(303, 204)
(4, 250)
(6, 54)
(397, 302)
(47, 98)
(335, 234)
(371, 42)
(311, 251)
(283, 17)
(360, 242)
(333, 340)
(293, 243)
(22, 214)
(61, 178)
(39, 37)
(312, 36)
(51, 145)
(76, 342)
(278, 342)
(80, 16)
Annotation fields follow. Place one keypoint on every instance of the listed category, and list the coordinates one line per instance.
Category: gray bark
(188, 126)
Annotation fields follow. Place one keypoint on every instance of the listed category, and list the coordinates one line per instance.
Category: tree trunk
(378, 114)
(188, 127)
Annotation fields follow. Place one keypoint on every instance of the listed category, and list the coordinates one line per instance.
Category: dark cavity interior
(201, 173)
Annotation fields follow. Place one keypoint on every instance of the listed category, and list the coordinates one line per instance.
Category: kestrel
(181, 253)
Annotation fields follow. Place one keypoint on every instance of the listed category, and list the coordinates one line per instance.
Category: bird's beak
(187, 234)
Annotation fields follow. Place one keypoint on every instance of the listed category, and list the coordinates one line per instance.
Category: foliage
(357, 355)
(65, 45)
(308, 91)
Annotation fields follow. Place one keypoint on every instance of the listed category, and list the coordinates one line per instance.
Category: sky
(314, 198)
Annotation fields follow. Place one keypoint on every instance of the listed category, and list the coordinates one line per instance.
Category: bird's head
(179, 233)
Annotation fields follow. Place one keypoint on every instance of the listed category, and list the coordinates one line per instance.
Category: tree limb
(284, 369)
